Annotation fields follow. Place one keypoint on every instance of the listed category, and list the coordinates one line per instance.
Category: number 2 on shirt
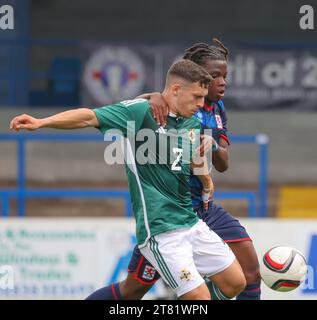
(178, 152)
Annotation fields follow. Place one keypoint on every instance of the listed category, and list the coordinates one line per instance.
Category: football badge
(218, 120)
(186, 275)
(148, 273)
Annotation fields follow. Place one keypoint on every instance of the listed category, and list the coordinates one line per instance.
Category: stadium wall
(69, 258)
(293, 152)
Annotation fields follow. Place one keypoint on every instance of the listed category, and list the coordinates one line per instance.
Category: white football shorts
(184, 256)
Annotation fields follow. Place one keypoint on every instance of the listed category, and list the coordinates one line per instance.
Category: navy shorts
(218, 219)
(144, 271)
(223, 223)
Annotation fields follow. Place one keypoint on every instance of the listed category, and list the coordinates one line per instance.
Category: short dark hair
(199, 52)
(189, 71)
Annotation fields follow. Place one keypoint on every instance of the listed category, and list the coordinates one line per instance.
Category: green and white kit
(159, 188)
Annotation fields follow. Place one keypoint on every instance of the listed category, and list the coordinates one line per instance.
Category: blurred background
(75, 209)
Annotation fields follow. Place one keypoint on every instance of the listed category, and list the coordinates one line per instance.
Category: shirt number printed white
(178, 152)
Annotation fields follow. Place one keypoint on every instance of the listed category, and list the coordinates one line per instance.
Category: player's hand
(25, 122)
(207, 192)
(207, 195)
(159, 108)
(206, 144)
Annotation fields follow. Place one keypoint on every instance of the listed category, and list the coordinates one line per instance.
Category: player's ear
(176, 87)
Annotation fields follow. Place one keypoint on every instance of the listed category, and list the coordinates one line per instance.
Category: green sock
(215, 292)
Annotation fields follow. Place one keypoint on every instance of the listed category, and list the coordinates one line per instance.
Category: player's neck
(172, 108)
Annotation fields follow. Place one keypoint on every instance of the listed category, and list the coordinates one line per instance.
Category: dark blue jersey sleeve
(223, 133)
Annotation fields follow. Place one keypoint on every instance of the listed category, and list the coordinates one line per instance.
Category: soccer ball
(283, 268)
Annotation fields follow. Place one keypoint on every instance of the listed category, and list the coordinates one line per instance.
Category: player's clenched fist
(26, 122)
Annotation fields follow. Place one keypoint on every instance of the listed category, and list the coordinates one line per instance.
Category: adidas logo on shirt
(160, 130)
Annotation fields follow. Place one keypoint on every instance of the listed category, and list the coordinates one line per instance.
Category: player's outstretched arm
(72, 119)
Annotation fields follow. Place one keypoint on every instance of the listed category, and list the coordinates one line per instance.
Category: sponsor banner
(257, 78)
(268, 79)
(70, 258)
(64, 258)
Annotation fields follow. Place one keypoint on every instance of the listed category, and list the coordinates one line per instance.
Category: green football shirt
(157, 165)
